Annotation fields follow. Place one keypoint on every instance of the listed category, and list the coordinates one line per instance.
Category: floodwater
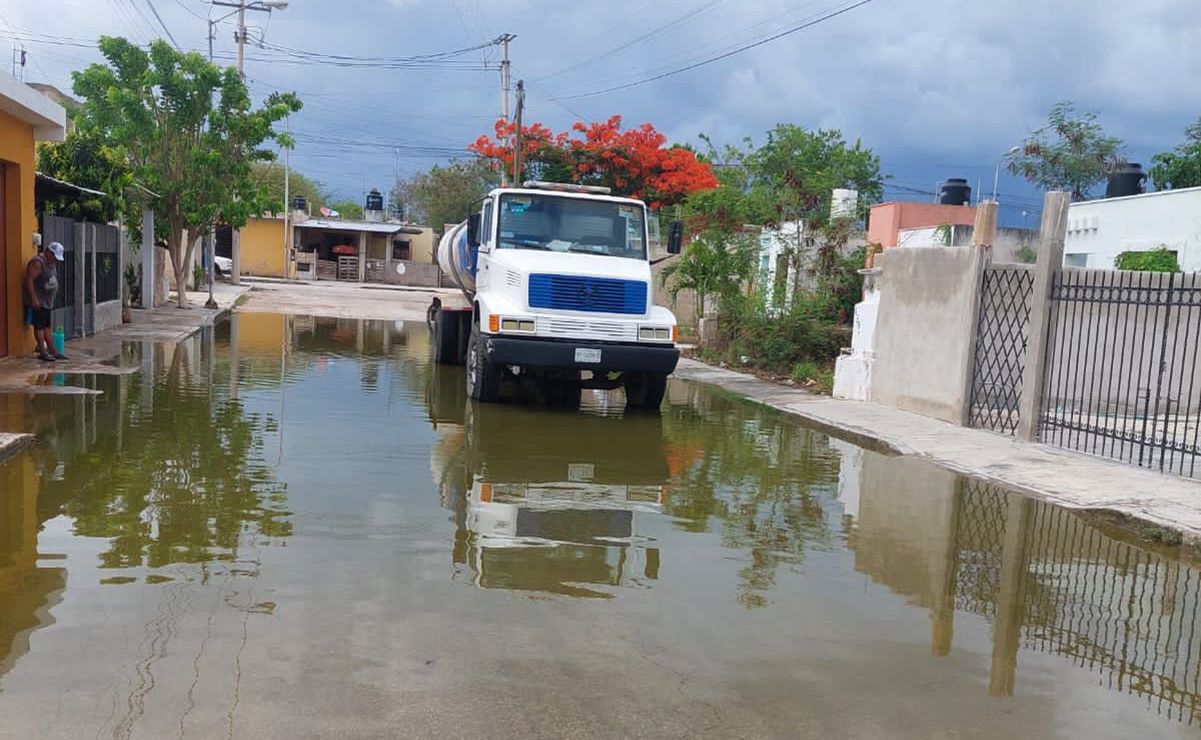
(295, 527)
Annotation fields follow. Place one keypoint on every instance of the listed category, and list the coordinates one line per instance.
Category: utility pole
(517, 135)
(504, 40)
(240, 7)
(240, 37)
(287, 200)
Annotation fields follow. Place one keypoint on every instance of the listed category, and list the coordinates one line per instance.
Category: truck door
(487, 243)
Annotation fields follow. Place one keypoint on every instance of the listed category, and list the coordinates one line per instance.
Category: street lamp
(997, 175)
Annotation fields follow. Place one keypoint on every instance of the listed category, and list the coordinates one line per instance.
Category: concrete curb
(1163, 507)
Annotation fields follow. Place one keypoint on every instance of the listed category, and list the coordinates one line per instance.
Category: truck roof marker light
(567, 187)
(493, 322)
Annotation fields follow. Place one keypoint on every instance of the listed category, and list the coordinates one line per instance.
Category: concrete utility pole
(504, 40)
(287, 199)
(1050, 260)
(240, 8)
(517, 134)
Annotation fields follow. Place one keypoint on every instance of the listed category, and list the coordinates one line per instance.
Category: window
(1075, 260)
(561, 224)
(486, 223)
(402, 250)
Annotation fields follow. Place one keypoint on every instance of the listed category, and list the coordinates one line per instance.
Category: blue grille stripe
(581, 293)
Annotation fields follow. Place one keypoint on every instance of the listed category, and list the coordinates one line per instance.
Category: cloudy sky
(938, 88)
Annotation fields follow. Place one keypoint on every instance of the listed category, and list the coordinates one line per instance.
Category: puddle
(315, 534)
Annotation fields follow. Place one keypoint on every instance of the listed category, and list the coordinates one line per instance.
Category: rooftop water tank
(375, 201)
(300, 203)
(955, 192)
(1127, 180)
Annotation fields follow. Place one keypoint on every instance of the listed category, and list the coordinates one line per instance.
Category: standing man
(41, 288)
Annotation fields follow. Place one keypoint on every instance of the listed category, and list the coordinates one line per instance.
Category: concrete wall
(1100, 230)
(415, 273)
(685, 304)
(262, 247)
(928, 300)
(1010, 246)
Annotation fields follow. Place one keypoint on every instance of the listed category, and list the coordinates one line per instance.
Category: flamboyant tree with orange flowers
(634, 162)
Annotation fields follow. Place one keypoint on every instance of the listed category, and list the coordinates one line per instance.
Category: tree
(713, 264)
(269, 179)
(1072, 153)
(791, 177)
(634, 163)
(84, 160)
(347, 209)
(188, 133)
(1181, 167)
(444, 194)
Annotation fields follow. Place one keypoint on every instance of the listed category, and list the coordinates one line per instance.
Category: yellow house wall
(262, 247)
(17, 152)
(260, 333)
(377, 246)
(422, 245)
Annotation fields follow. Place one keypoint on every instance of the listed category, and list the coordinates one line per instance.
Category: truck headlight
(654, 334)
(525, 325)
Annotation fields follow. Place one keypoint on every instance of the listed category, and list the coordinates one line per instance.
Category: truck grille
(605, 331)
(582, 293)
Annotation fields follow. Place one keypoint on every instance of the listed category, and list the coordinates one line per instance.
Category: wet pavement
(296, 527)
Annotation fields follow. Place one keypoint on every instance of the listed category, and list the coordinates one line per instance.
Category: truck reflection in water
(544, 500)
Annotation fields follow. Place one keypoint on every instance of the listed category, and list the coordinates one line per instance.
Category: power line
(726, 55)
(637, 40)
(193, 13)
(150, 4)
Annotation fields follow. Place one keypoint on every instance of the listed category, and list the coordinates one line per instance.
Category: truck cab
(559, 282)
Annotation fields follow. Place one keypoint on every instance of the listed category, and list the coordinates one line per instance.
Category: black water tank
(300, 203)
(375, 201)
(1128, 180)
(956, 192)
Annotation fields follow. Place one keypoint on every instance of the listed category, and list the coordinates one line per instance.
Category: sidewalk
(1062, 477)
(99, 354)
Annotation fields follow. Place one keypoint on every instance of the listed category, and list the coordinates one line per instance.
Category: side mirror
(473, 230)
(675, 238)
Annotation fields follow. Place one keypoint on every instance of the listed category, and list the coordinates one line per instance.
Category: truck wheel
(644, 390)
(446, 338)
(483, 376)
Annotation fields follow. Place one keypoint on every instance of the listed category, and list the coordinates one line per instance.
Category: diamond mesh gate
(1001, 335)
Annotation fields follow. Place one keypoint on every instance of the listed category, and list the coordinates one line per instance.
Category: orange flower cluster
(633, 163)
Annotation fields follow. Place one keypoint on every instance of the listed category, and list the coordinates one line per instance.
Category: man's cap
(56, 249)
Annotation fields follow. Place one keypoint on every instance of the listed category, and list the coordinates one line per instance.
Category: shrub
(1155, 260)
(806, 332)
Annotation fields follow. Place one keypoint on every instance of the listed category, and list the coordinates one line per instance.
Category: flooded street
(297, 527)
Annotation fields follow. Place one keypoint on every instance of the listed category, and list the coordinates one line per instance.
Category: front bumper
(550, 353)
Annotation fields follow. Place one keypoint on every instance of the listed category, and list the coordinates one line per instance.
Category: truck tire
(644, 391)
(446, 338)
(483, 376)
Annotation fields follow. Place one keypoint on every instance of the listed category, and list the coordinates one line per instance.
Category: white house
(1100, 230)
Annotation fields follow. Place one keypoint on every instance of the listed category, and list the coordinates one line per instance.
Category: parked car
(224, 265)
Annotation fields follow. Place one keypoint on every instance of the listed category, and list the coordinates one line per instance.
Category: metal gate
(62, 230)
(1002, 332)
(1121, 373)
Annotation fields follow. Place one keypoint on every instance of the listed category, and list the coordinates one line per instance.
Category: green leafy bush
(806, 332)
(1156, 260)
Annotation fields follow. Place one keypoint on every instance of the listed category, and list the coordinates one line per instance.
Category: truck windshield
(557, 224)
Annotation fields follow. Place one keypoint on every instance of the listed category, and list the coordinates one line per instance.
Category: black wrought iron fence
(1122, 365)
(1002, 333)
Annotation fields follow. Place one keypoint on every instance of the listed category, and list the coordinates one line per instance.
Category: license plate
(583, 354)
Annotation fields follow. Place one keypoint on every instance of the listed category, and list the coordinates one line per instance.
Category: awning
(373, 227)
(46, 186)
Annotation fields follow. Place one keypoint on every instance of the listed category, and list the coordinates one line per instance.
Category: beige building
(390, 252)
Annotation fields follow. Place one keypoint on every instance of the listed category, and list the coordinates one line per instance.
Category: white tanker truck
(555, 287)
